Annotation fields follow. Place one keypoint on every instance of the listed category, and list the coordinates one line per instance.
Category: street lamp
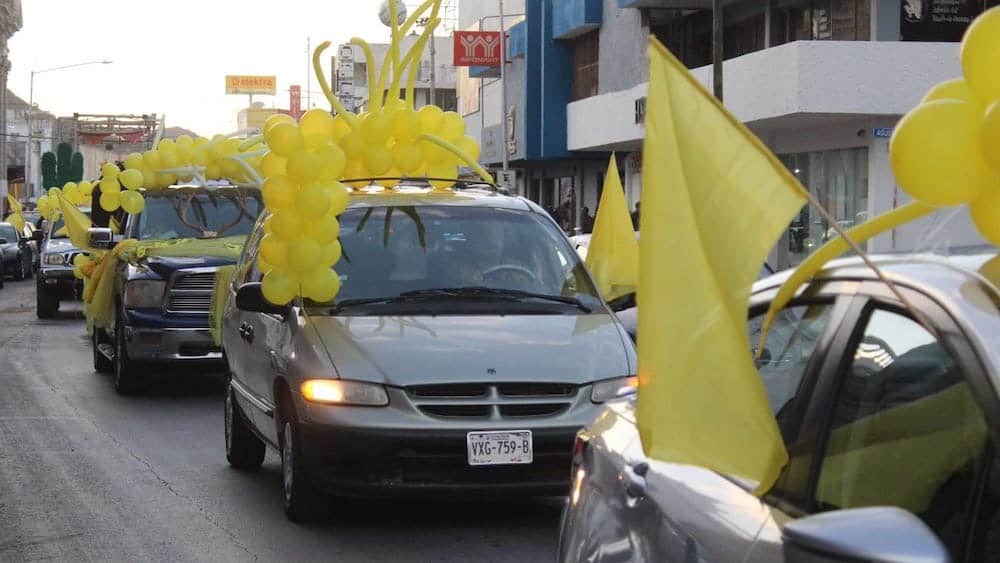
(31, 109)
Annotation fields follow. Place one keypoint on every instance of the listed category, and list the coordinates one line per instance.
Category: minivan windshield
(8, 233)
(201, 215)
(478, 253)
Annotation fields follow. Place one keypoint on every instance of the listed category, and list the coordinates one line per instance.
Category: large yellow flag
(715, 201)
(613, 253)
(16, 216)
(76, 222)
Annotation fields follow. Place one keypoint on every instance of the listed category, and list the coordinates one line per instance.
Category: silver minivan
(466, 347)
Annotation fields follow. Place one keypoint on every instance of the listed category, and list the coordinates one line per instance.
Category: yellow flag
(76, 222)
(715, 202)
(613, 253)
(16, 217)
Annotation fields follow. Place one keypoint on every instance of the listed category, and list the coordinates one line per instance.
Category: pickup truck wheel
(244, 449)
(301, 498)
(46, 305)
(101, 362)
(125, 377)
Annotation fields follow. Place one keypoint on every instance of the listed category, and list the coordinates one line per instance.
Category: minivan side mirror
(250, 297)
(100, 238)
(883, 534)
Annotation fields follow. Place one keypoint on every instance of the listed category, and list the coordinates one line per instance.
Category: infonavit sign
(477, 48)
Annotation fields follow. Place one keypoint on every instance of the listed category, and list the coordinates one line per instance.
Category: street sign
(882, 132)
(477, 48)
(241, 84)
(295, 100)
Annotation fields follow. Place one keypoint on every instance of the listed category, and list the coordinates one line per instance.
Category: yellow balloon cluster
(310, 165)
(946, 151)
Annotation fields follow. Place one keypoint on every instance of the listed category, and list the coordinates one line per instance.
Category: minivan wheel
(300, 496)
(244, 449)
(125, 377)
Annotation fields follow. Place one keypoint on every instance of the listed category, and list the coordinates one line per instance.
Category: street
(87, 475)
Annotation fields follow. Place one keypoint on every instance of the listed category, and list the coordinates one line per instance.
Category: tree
(49, 175)
(76, 167)
(62, 166)
(64, 163)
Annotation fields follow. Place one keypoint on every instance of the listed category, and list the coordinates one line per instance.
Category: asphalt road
(86, 475)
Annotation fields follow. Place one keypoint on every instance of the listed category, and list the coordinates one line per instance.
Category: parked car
(466, 347)
(162, 303)
(34, 243)
(15, 252)
(875, 411)
(55, 281)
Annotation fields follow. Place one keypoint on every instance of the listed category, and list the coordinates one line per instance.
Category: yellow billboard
(244, 84)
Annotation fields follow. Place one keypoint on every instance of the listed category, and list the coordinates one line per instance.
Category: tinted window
(906, 429)
(57, 227)
(8, 232)
(390, 250)
(203, 216)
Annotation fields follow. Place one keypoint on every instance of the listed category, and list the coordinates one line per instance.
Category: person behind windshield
(489, 258)
(158, 226)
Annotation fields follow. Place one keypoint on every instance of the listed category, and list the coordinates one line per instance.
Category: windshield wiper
(493, 292)
(403, 298)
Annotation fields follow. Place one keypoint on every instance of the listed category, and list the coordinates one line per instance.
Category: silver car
(465, 349)
(891, 431)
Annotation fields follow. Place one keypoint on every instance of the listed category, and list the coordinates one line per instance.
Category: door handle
(246, 331)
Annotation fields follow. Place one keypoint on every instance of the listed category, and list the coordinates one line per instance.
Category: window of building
(446, 100)
(839, 180)
(810, 20)
(361, 74)
(586, 56)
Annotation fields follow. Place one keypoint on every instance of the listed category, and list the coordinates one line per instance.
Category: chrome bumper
(171, 345)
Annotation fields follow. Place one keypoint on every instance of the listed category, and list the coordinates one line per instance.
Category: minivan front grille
(493, 401)
(191, 293)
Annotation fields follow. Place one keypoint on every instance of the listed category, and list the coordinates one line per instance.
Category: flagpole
(717, 48)
(503, 86)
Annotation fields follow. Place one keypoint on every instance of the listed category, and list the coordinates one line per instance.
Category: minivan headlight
(54, 260)
(343, 392)
(604, 391)
(144, 294)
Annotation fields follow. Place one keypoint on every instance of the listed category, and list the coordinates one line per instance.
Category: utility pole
(4, 68)
(503, 85)
(717, 48)
(308, 73)
(433, 64)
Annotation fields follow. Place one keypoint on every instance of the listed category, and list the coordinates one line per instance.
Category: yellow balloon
(324, 230)
(937, 156)
(169, 159)
(184, 141)
(110, 200)
(332, 162)
(985, 213)
(430, 118)
(166, 145)
(285, 224)
(77, 273)
(132, 202)
(320, 285)
(148, 177)
(264, 266)
(407, 156)
(185, 154)
(55, 193)
(356, 169)
(448, 171)
(285, 139)
(376, 129)
(990, 136)
(71, 192)
(151, 159)
(452, 126)
(434, 154)
(109, 171)
(981, 55)
(339, 198)
(279, 192)
(131, 179)
(199, 155)
(353, 145)
(303, 254)
(954, 89)
(86, 188)
(273, 165)
(392, 176)
(164, 180)
(317, 122)
(330, 253)
(275, 119)
(133, 161)
(80, 260)
(303, 166)
(312, 202)
(213, 171)
(340, 128)
(377, 159)
(278, 287)
(273, 250)
(110, 186)
(469, 146)
(405, 125)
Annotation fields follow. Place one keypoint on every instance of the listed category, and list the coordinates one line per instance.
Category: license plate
(505, 447)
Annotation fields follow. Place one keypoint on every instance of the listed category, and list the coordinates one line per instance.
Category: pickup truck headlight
(342, 392)
(53, 260)
(144, 294)
(608, 389)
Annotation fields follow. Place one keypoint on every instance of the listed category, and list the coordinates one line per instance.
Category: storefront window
(841, 20)
(839, 181)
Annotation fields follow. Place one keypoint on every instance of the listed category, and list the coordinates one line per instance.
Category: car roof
(419, 195)
(967, 286)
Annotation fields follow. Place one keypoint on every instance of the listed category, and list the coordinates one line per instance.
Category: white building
(43, 136)
(436, 69)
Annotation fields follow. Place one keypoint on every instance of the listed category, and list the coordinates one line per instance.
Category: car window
(202, 216)
(906, 430)
(8, 232)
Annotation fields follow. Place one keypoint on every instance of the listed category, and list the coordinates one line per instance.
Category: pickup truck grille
(493, 401)
(191, 293)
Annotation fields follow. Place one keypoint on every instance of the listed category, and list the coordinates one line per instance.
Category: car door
(898, 419)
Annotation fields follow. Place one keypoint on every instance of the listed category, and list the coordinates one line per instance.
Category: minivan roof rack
(425, 181)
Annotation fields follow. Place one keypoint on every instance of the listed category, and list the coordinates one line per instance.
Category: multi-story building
(821, 82)
(436, 69)
(43, 125)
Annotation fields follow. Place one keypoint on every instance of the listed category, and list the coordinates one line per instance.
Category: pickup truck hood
(403, 351)
(163, 266)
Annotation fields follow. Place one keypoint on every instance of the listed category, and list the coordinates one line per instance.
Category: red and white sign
(295, 101)
(477, 48)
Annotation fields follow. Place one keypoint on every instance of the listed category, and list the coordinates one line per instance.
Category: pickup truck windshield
(455, 252)
(57, 228)
(201, 215)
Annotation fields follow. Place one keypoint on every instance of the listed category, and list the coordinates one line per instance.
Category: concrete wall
(623, 63)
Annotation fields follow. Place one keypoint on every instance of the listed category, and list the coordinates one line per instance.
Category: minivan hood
(402, 351)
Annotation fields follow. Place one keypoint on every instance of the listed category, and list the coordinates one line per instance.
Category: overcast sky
(171, 56)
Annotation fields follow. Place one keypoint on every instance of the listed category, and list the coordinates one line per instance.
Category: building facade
(821, 82)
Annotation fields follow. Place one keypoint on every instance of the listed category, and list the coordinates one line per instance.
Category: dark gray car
(875, 411)
(16, 252)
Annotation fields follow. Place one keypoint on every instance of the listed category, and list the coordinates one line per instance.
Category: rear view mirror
(100, 238)
(883, 534)
(250, 297)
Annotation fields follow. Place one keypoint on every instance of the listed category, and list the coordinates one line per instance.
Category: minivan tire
(244, 449)
(301, 497)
